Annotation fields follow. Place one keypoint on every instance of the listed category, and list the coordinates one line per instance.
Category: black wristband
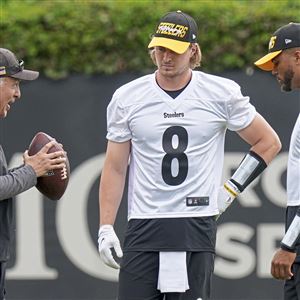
(286, 248)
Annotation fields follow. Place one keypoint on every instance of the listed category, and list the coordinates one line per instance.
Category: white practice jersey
(293, 170)
(177, 144)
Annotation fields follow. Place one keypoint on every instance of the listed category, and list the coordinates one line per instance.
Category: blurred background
(84, 50)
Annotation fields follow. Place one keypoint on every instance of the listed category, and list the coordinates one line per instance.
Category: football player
(170, 126)
(283, 60)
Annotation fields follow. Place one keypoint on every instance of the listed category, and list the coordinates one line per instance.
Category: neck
(173, 83)
(297, 82)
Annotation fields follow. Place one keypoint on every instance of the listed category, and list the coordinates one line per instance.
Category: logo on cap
(172, 29)
(287, 41)
(272, 42)
(2, 71)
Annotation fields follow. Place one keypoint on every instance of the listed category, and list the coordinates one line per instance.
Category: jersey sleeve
(240, 111)
(293, 169)
(117, 121)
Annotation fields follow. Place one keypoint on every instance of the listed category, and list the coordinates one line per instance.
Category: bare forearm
(110, 194)
(263, 139)
(265, 144)
(267, 149)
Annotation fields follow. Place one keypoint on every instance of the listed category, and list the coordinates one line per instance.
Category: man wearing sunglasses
(20, 179)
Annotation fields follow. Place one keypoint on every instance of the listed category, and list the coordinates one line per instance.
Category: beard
(287, 80)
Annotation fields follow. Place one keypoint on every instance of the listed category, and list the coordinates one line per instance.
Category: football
(55, 182)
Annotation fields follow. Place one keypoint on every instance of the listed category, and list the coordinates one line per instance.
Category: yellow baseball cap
(175, 31)
(287, 36)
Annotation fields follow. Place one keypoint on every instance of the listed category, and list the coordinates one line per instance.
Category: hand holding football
(54, 183)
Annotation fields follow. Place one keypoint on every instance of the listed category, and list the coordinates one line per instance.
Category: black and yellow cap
(287, 36)
(175, 31)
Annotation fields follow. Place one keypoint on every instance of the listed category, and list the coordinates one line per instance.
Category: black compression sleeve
(251, 167)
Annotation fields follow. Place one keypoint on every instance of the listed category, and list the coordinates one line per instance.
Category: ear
(297, 56)
(193, 48)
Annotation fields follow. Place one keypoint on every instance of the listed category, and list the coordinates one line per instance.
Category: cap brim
(26, 75)
(265, 63)
(174, 45)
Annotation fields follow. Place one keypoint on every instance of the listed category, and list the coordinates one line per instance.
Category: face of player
(171, 64)
(9, 93)
(287, 69)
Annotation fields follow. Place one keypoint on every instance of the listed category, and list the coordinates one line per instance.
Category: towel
(172, 275)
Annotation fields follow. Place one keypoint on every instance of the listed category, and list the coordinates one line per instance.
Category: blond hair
(195, 60)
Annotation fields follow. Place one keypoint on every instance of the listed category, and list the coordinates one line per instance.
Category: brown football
(55, 182)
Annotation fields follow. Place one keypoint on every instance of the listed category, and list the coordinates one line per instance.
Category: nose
(274, 70)
(167, 54)
(17, 92)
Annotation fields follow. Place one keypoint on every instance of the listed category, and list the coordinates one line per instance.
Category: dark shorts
(139, 274)
(292, 286)
(2, 280)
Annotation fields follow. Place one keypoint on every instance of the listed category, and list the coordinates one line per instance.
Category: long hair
(195, 60)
